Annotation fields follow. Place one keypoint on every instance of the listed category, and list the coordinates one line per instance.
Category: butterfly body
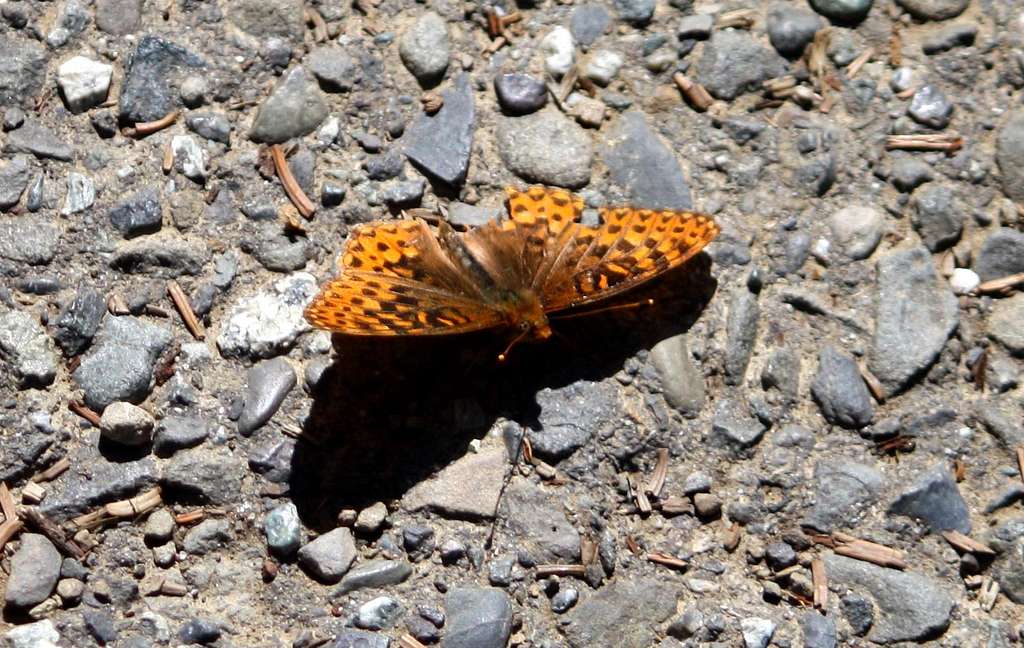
(402, 278)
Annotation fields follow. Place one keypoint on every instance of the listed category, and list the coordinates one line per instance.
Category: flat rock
(118, 17)
(29, 239)
(682, 380)
(425, 48)
(34, 570)
(23, 65)
(294, 108)
(14, 177)
(538, 524)
(631, 610)
(843, 490)
(97, 482)
(909, 606)
(643, 165)
(935, 499)
(1010, 155)
(915, 316)
(152, 68)
(267, 385)
(741, 332)
(211, 475)
(1001, 255)
(840, 391)
(857, 230)
(268, 18)
(1006, 323)
(934, 9)
(40, 141)
(119, 366)
(570, 415)
(477, 617)
(330, 555)
(167, 254)
(734, 63)
(373, 573)
(268, 322)
(546, 147)
(937, 217)
(140, 213)
(467, 488)
(27, 349)
(440, 144)
(334, 68)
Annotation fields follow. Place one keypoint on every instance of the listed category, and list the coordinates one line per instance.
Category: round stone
(520, 94)
(425, 48)
(558, 49)
(857, 230)
(842, 10)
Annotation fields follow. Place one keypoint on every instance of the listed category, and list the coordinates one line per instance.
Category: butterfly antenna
(503, 356)
(638, 304)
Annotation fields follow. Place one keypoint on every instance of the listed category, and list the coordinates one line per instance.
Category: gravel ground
(812, 439)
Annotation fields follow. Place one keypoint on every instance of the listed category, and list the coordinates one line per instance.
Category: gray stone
(644, 166)
(682, 381)
(159, 527)
(733, 63)
(295, 107)
(329, 556)
(819, 631)
(1008, 571)
(207, 536)
(165, 254)
(1005, 323)
(857, 230)
(1003, 420)
(790, 29)
(843, 489)
(459, 213)
(211, 475)
(842, 11)
(1010, 155)
(384, 166)
(349, 638)
(211, 125)
(38, 140)
(440, 144)
(40, 634)
(425, 48)
(34, 571)
(628, 609)
(937, 217)
(140, 213)
(520, 94)
(934, 9)
(22, 70)
(563, 601)
(267, 323)
(477, 617)
(909, 172)
(401, 193)
(734, 428)
(27, 349)
(118, 17)
(380, 613)
(148, 92)
(950, 37)
(336, 70)
(31, 240)
(546, 147)
(78, 321)
(757, 632)
(695, 26)
(538, 524)
(97, 482)
(782, 372)
(741, 332)
(126, 424)
(14, 177)
(267, 385)
(81, 194)
(371, 519)
(602, 66)
(931, 107)
(279, 252)
(588, 22)
(177, 432)
(373, 573)
(935, 499)
(569, 416)
(283, 530)
(119, 367)
(83, 82)
(269, 18)
(635, 12)
(190, 159)
(1001, 255)
(911, 607)
(840, 391)
(915, 316)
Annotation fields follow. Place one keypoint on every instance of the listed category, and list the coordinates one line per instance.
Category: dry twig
(967, 544)
(925, 142)
(409, 641)
(852, 547)
(667, 560)
(121, 509)
(873, 383)
(696, 94)
(192, 323)
(657, 480)
(820, 580)
(291, 186)
(85, 412)
(1002, 284)
(142, 129)
(53, 471)
(738, 19)
(543, 571)
(44, 525)
(854, 67)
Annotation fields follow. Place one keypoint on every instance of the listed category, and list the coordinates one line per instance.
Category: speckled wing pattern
(402, 278)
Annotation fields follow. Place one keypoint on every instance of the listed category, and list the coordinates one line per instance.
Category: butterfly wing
(396, 280)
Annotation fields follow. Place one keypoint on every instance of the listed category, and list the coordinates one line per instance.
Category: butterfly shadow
(389, 412)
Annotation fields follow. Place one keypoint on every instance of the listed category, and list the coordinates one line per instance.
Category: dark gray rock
(734, 428)
(682, 381)
(1010, 155)
(373, 573)
(210, 125)
(460, 213)
(118, 17)
(477, 617)
(279, 252)
(741, 332)
(840, 391)
(782, 373)
(1001, 255)
(208, 536)
(14, 177)
(538, 524)
(165, 254)
(631, 610)
(858, 612)
(643, 165)
(911, 607)
(349, 638)
(78, 321)
(440, 144)
(842, 11)
(843, 489)
(937, 217)
(329, 556)
(635, 12)
(588, 23)
(178, 431)
(334, 68)
(152, 69)
(909, 172)
(935, 499)
(695, 27)
(569, 416)
(295, 107)
(1002, 419)
(119, 367)
(40, 141)
(32, 240)
(97, 483)
(267, 385)
(101, 626)
(26, 349)
(1008, 571)
(384, 166)
(934, 9)
(1004, 324)
(34, 570)
(140, 213)
(931, 107)
(546, 147)
(915, 316)
(520, 94)
(947, 38)
(790, 29)
(211, 475)
(270, 18)
(402, 193)
(734, 63)
(425, 48)
(22, 70)
(819, 631)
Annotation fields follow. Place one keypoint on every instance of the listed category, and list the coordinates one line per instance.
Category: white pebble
(559, 51)
(190, 156)
(83, 82)
(603, 66)
(964, 280)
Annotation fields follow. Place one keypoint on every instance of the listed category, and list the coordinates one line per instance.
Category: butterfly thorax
(526, 313)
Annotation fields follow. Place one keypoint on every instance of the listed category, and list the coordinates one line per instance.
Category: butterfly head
(529, 317)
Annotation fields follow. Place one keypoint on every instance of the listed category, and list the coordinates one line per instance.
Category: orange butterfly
(402, 278)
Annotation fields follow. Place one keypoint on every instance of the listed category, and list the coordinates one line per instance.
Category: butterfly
(404, 278)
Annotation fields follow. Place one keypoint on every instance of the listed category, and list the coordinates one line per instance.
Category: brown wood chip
(820, 581)
(731, 537)
(667, 560)
(188, 316)
(925, 142)
(85, 412)
(1020, 462)
(7, 504)
(544, 571)
(696, 94)
(657, 480)
(1003, 284)
(142, 129)
(967, 544)
(291, 186)
(53, 471)
(852, 547)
